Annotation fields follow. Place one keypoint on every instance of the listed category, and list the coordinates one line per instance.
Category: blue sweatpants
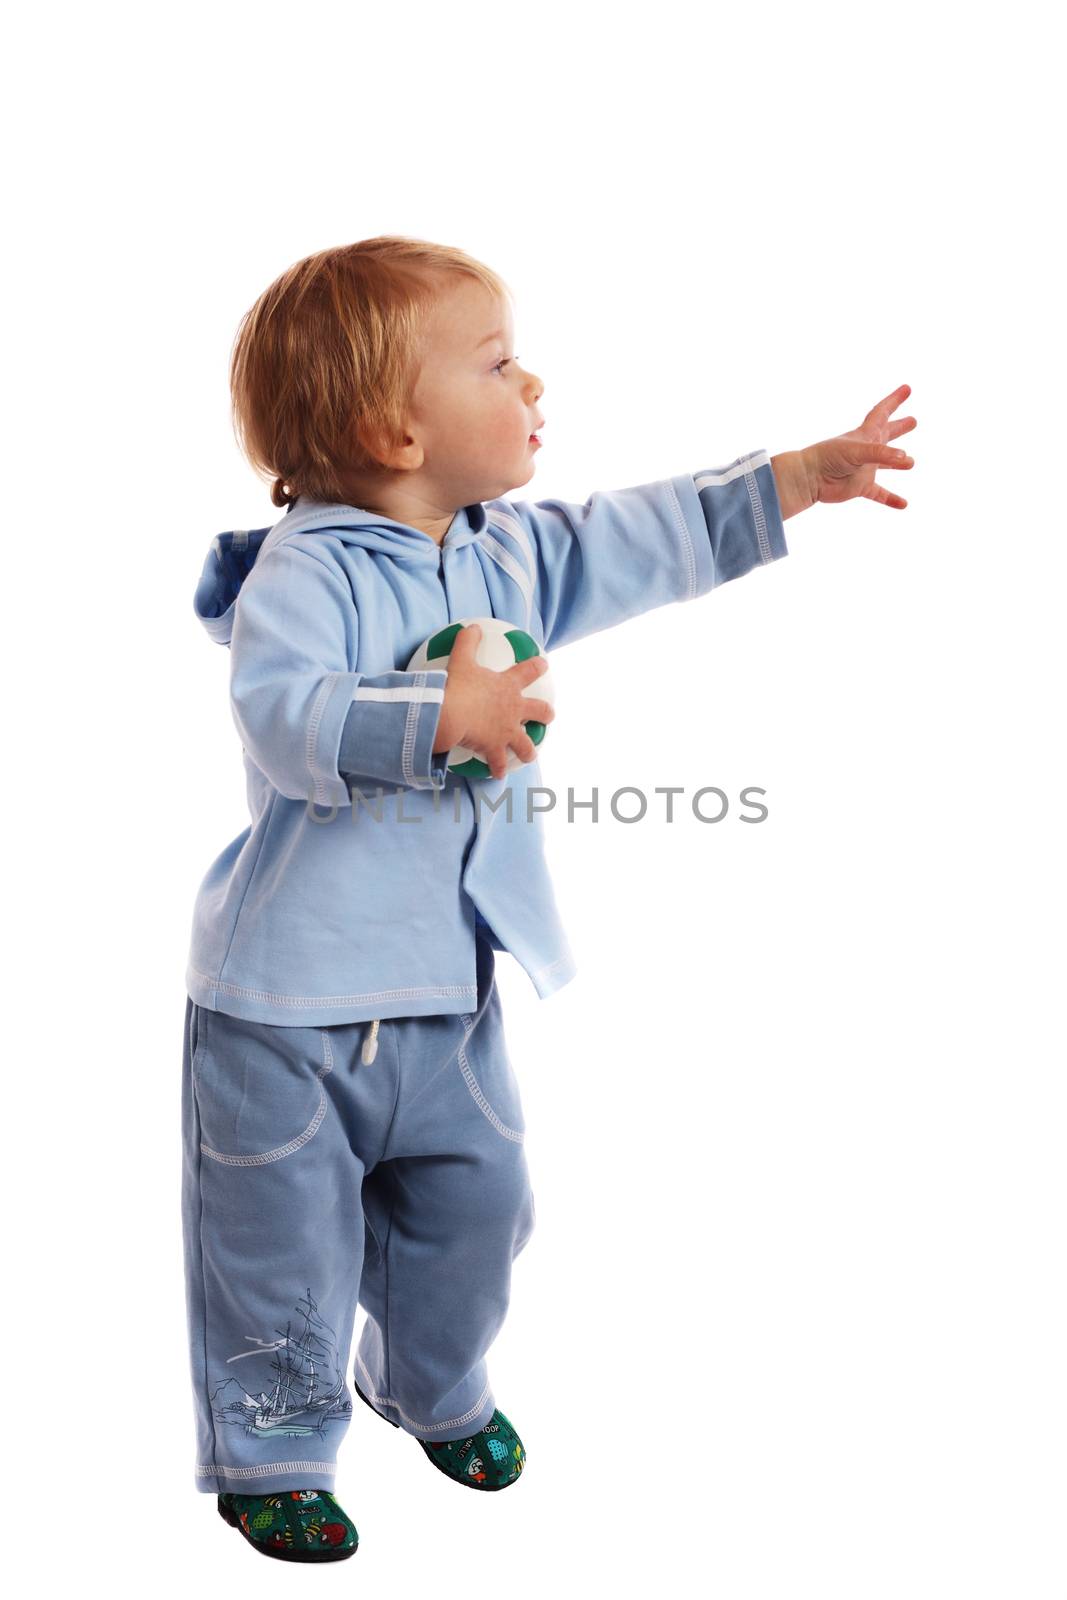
(312, 1180)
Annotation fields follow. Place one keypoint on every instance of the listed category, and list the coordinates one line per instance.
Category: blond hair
(332, 347)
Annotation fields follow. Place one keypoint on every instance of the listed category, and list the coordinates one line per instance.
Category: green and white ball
(500, 646)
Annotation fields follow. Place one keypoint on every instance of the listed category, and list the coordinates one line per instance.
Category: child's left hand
(844, 467)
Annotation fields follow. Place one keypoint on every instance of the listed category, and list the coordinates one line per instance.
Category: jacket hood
(231, 556)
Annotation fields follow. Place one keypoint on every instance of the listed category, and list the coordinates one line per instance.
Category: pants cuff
(270, 1479)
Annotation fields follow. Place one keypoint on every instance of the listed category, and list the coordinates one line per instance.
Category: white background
(792, 1322)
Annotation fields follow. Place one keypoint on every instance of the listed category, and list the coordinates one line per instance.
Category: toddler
(352, 1126)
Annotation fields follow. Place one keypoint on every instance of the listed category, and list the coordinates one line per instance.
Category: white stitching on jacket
(467, 991)
(311, 738)
(691, 559)
(411, 723)
(762, 538)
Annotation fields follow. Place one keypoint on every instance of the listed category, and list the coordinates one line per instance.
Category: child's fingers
(494, 756)
(465, 644)
(536, 710)
(525, 672)
(884, 497)
(890, 402)
(524, 747)
(887, 455)
(868, 452)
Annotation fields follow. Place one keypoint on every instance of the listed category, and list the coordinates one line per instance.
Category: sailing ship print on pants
(308, 1391)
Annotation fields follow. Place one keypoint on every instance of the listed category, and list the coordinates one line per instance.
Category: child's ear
(397, 453)
(370, 441)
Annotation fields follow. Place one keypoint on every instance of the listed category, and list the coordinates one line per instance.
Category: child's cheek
(507, 430)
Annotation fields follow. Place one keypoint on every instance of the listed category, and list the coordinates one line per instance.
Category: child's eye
(502, 363)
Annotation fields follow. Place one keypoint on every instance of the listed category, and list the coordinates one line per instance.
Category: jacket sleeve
(588, 567)
(309, 723)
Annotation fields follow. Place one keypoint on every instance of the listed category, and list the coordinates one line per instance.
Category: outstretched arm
(586, 567)
(583, 568)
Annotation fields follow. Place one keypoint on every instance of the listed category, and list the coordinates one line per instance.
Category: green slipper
(293, 1524)
(492, 1458)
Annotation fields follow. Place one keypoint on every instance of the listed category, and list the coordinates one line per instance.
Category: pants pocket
(258, 1087)
(487, 1071)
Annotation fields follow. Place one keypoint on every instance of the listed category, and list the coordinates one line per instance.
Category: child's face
(474, 407)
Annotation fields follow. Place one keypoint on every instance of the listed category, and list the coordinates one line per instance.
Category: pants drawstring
(370, 1044)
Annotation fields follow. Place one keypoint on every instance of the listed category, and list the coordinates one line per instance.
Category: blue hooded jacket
(357, 889)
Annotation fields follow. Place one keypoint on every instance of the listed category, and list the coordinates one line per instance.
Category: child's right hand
(485, 709)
